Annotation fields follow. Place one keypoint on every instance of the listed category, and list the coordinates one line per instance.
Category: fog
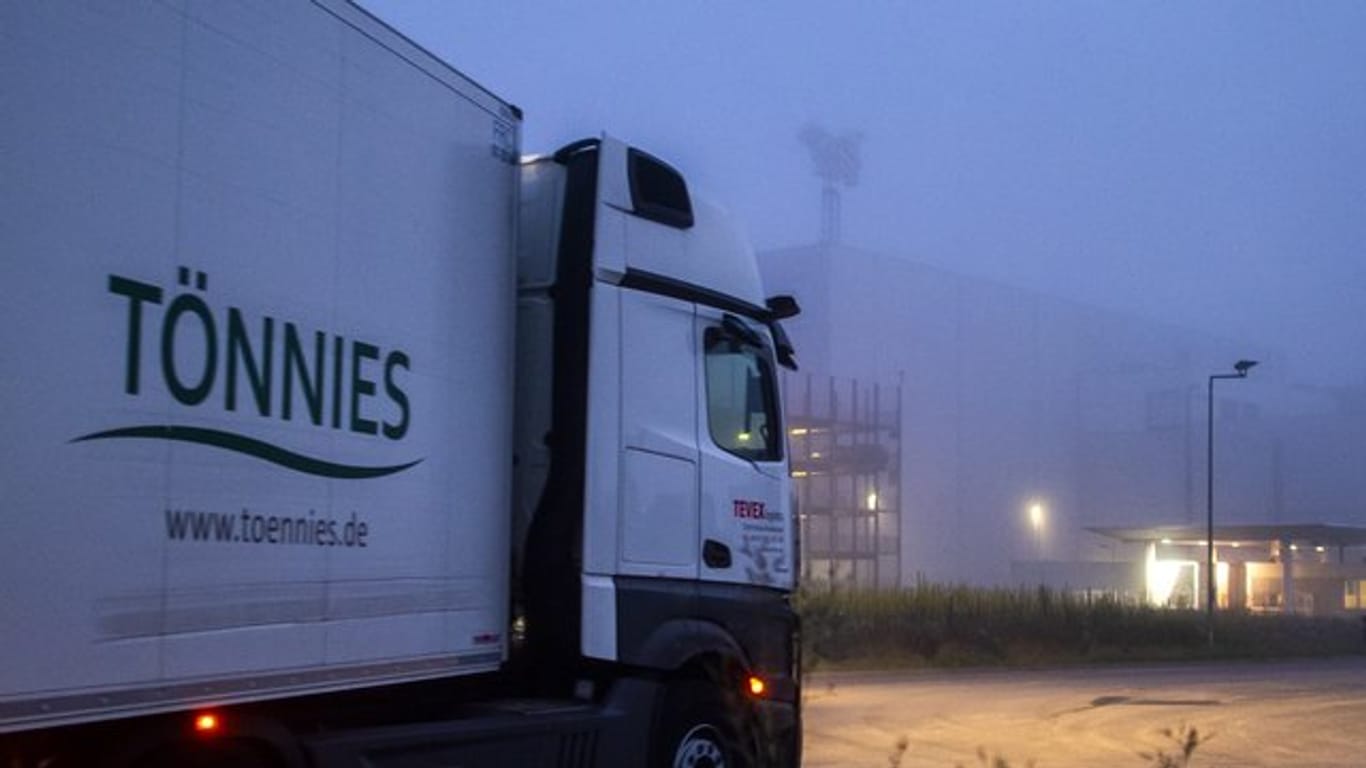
(1087, 208)
(1203, 163)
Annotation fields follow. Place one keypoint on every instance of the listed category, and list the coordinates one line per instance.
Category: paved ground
(1298, 713)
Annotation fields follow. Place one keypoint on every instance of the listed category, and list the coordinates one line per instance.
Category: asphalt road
(1293, 713)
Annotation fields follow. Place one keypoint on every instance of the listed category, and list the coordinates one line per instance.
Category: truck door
(659, 527)
(745, 534)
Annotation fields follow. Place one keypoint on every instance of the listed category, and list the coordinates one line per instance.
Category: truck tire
(698, 728)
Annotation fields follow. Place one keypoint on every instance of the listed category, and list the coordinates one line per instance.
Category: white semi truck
(337, 433)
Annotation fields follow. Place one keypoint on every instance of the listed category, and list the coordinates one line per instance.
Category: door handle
(715, 554)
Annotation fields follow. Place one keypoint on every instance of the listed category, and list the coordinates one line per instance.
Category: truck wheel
(697, 728)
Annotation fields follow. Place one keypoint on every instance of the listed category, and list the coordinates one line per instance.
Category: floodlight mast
(835, 159)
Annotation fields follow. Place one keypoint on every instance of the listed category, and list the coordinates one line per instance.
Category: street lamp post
(1211, 595)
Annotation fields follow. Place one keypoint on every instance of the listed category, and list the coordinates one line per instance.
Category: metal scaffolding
(845, 442)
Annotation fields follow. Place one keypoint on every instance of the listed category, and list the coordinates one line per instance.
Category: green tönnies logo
(268, 366)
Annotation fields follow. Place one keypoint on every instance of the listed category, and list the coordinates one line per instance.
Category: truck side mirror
(782, 307)
(782, 346)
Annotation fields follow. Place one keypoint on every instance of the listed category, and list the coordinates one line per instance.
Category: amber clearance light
(757, 686)
(207, 723)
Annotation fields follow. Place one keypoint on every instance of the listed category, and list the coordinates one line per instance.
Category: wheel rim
(700, 748)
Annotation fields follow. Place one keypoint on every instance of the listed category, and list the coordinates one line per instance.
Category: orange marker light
(206, 723)
(757, 686)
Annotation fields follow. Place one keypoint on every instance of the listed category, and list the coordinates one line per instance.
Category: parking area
(1292, 713)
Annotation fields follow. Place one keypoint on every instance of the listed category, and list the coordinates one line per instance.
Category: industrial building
(1029, 429)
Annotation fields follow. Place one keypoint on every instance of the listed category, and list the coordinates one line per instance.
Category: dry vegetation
(947, 626)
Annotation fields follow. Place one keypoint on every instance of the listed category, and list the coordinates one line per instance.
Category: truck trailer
(340, 433)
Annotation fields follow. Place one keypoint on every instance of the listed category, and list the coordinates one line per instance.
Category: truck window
(742, 412)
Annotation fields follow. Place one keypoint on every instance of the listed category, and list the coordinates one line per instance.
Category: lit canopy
(1312, 534)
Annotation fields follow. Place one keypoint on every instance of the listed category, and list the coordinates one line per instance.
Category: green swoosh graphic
(251, 447)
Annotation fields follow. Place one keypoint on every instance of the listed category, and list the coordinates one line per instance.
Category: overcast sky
(1202, 163)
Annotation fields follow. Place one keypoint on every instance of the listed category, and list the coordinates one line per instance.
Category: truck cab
(653, 521)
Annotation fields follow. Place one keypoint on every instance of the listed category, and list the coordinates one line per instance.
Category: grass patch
(958, 626)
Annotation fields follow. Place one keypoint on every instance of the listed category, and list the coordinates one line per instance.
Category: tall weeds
(947, 625)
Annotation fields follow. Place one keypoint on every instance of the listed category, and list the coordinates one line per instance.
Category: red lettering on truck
(749, 510)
